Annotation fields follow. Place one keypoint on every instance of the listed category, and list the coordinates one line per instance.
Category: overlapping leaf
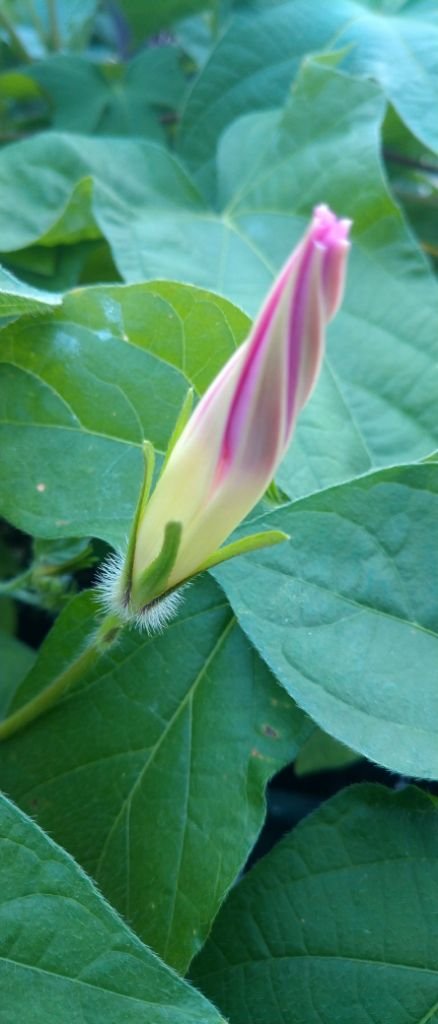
(346, 612)
(17, 298)
(65, 954)
(338, 923)
(108, 99)
(322, 753)
(152, 774)
(257, 57)
(55, 184)
(80, 392)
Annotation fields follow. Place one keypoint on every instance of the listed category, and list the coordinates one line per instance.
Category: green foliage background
(158, 162)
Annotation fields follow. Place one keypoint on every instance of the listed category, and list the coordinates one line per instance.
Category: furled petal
(229, 450)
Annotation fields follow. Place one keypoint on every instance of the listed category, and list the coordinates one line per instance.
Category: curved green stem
(16, 583)
(102, 640)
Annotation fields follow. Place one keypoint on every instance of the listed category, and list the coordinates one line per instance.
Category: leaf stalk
(101, 641)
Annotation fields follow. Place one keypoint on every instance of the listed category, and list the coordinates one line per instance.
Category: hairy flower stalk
(227, 452)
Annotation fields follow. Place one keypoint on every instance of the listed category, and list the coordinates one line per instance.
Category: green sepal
(241, 547)
(182, 419)
(153, 581)
(275, 494)
(149, 465)
(148, 472)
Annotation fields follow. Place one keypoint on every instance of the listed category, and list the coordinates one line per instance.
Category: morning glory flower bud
(227, 453)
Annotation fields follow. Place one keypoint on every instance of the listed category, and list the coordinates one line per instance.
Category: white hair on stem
(153, 618)
(109, 584)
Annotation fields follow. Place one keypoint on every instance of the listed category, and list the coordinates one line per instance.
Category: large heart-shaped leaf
(79, 397)
(258, 55)
(338, 923)
(54, 183)
(65, 954)
(165, 753)
(346, 613)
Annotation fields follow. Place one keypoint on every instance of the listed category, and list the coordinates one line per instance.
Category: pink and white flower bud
(229, 450)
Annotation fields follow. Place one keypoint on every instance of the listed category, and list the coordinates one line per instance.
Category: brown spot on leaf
(269, 730)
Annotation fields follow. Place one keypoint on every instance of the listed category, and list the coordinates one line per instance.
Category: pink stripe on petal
(250, 370)
(264, 441)
(334, 270)
(319, 263)
(312, 349)
(297, 316)
(215, 387)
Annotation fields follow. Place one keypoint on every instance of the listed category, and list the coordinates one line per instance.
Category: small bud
(227, 453)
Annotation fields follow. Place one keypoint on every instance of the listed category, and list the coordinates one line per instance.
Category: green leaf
(195, 36)
(113, 99)
(17, 298)
(338, 923)
(93, 383)
(42, 177)
(158, 814)
(346, 614)
(194, 330)
(156, 74)
(322, 753)
(65, 954)
(258, 55)
(76, 90)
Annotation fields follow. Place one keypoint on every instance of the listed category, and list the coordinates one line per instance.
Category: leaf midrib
(188, 697)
